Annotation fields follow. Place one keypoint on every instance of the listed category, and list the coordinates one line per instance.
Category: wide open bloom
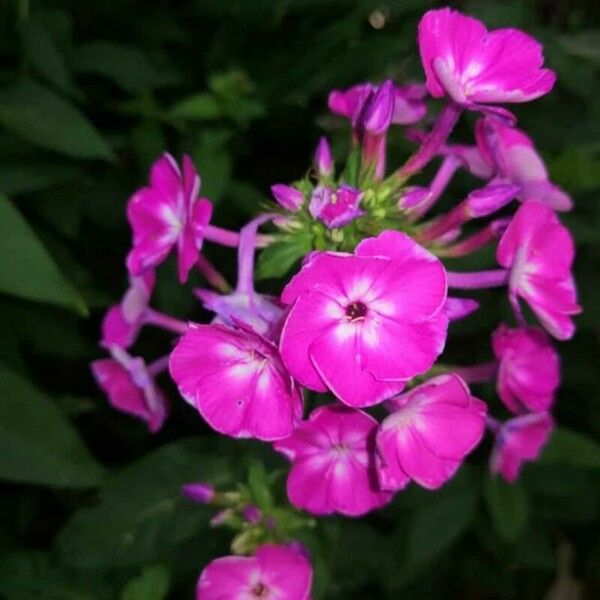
(528, 368)
(236, 381)
(430, 431)
(519, 440)
(514, 156)
(362, 324)
(336, 207)
(130, 387)
(168, 214)
(539, 252)
(472, 65)
(123, 321)
(274, 572)
(333, 463)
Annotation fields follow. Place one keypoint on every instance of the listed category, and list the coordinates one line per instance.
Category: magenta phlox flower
(335, 207)
(474, 66)
(362, 324)
(430, 431)
(519, 440)
(122, 322)
(514, 156)
(167, 215)
(199, 492)
(275, 571)
(130, 387)
(539, 252)
(333, 463)
(236, 380)
(287, 196)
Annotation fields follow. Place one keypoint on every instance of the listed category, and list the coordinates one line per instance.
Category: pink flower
(277, 572)
(518, 440)
(168, 214)
(515, 157)
(539, 252)
(471, 65)
(123, 321)
(335, 208)
(432, 429)
(130, 388)
(362, 324)
(333, 456)
(528, 369)
(236, 381)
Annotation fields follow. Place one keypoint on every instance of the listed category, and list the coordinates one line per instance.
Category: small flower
(168, 214)
(287, 196)
(123, 321)
(335, 208)
(362, 324)
(202, 493)
(519, 440)
(236, 381)
(323, 159)
(333, 456)
(130, 388)
(472, 65)
(274, 571)
(528, 370)
(514, 156)
(539, 252)
(432, 429)
(252, 514)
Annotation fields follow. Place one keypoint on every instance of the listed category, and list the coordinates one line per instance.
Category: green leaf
(141, 515)
(35, 575)
(278, 258)
(213, 160)
(126, 66)
(199, 107)
(508, 507)
(152, 584)
(38, 444)
(259, 484)
(573, 448)
(40, 49)
(434, 527)
(26, 268)
(32, 111)
(24, 178)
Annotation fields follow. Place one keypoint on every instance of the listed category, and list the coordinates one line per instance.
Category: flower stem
(153, 317)
(478, 279)
(442, 128)
(212, 275)
(159, 365)
(231, 239)
(449, 166)
(477, 373)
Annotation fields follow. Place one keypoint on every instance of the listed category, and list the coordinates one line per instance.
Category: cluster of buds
(365, 319)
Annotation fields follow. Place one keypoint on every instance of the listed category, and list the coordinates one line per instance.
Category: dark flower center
(356, 310)
(260, 590)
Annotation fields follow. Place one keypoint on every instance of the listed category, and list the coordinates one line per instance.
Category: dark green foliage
(90, 94)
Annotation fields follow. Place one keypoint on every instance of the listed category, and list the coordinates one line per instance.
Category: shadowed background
(90, 94)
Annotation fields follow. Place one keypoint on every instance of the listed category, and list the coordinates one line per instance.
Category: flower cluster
(365, 318)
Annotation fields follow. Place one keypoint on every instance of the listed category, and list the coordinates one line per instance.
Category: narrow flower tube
(477, 280)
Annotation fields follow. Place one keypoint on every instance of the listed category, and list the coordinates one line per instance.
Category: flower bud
(202, 493)
(323, 158)
(380, 109)
(252, 514)
(287, 196)
(490, 198)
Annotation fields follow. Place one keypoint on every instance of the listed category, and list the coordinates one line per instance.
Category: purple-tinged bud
(252, 514)
(323, 158)
(335, 208)
(221, 517)
(380, 109)
(499, 226)
(202, 493)
(287, 196)
(412, 197)
(491, 198)
(459, 308)
(300, 548)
